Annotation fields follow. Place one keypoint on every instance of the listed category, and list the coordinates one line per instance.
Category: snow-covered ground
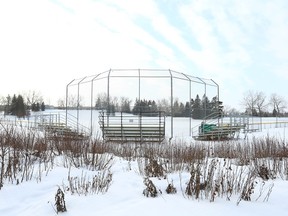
(125, 198)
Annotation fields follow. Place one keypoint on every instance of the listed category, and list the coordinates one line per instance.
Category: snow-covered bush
(150, 190)
(60, 201)
(154, 169)
(171, 189)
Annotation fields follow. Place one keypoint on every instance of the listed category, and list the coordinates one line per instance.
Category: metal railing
(217, 127)
(42, 120)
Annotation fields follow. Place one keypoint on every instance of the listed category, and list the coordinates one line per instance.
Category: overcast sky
(241, 44)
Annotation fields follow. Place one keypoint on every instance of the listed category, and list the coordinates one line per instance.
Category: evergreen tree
(43, 106)
(196, 108)
(154, 107)
(187, 110)
(181, 110)
(176, 108)
(125, 105)
(102, 102)
(144, 107)
(98, 103)
(35, 107)
(7, 108)
(111, 109)
(21, 110)
(214, 105)
(13, 107)
(148, 107)
(206, 106)
(17, 106)
(137, 107)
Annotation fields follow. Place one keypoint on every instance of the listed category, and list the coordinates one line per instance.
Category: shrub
(150, 190)
(264, 172)
(194, 185)
(60, 201)
(171, 189)
(153, 169)
(83, 185)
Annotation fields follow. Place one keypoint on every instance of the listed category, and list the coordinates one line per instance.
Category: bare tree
(72, 101)
(249, 101)
(228, 110)
(254, 102)
(3, 101)
(125, 104)
(260, 102)
(164, 105)
(33, 97)
(101, 101)
(114, 101)
(61, 102)
(278, 103)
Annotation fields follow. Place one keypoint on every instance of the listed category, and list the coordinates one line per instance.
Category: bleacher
(121, 127)
(218, 132)
(214, 127)
(56, 131)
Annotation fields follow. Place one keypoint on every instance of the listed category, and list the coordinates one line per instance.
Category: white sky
(242, 45)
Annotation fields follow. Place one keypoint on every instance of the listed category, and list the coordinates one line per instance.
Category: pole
(92, 105)
(172, 109)
(66, 116)
(108, 97)
(78, 101)
(139, 85)
(218, 99)
(190, 98)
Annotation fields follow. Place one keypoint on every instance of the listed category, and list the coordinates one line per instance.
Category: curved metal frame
(139, 74)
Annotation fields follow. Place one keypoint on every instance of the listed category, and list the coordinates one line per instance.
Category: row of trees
(144, 106)
(115, 105)
(20, 106)
(197, 108)
(253, 103)
(256, 103)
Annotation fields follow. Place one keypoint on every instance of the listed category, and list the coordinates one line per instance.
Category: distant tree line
(115, 105)
(18, 106)
(144, 106)
(197, 108)
(202, 108)
(256, 103)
